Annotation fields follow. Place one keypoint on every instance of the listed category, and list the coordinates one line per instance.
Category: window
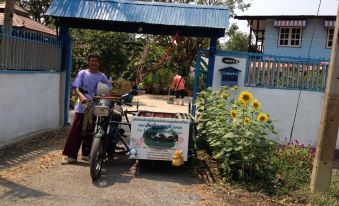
(329, 39)
(290, 36)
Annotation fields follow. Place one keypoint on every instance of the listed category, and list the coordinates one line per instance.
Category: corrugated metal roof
(142, 12)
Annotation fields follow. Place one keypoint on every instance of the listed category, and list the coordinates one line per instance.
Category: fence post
(66, 65)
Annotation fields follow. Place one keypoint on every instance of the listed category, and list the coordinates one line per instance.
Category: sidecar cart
(162, 136)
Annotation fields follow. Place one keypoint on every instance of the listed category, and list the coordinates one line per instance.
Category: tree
(238, 41)
(37, 9)
(183, 54)
(112, 46)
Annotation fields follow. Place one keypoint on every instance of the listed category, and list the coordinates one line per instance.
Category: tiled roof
(18, 10)
(21, 20)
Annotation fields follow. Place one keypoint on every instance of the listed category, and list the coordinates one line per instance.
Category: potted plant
(190, 86)
(148, 83)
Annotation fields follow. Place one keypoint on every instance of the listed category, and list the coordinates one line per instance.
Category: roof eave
(134, 27)
(258, 17)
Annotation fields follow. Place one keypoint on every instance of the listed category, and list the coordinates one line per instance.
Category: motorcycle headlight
(133, 151)
(100, 110)
(132, 154)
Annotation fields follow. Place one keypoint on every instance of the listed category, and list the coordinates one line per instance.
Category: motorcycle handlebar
(108, 97)
(114, 99)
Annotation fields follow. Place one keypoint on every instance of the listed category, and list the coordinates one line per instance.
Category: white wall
(29, 102)
(281, 105)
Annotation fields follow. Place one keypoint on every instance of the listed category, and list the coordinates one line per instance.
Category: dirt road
(31, 174)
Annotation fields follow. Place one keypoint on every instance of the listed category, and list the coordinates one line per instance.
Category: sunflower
(224, 96)
(242, 104)
(247, 120)
(233, 113)
(262, 117)
(245, 97)
(256, 104)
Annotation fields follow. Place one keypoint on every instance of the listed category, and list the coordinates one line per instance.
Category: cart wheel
(97, 158)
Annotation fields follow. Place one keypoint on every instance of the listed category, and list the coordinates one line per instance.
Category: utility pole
(323, 162)
(8, 18)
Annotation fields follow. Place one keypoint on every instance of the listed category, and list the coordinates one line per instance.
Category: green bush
(237, 133)
(190, 83)
(294, 165)
(148, 81)
(121, 86)
(163, 77)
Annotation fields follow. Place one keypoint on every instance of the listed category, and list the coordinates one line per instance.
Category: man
(178, 85)
(84, 86)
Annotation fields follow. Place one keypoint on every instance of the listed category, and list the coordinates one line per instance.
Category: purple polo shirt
(88, 81)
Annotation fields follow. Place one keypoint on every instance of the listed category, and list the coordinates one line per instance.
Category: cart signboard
(157, 138)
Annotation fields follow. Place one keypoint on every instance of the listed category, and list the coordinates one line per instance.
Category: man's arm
(81, 96)
(76, 87)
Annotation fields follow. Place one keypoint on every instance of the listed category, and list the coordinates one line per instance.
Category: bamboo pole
(323, 162)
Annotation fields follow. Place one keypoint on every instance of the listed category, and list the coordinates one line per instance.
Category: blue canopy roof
(143, 17)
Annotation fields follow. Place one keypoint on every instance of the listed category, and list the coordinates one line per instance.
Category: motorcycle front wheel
(97, 158)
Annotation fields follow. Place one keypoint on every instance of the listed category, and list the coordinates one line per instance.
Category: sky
(286, 7)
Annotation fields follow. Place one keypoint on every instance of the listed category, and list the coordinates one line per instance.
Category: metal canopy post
(196, 79)
(211, 60)
(66, 65)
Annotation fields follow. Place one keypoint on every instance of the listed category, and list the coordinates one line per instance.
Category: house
(291, 28)
(291, 35)
(286, 65)
(22, 21)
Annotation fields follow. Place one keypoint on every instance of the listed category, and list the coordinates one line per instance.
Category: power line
(308, 56)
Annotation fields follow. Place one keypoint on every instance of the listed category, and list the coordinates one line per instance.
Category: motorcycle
(108, 113)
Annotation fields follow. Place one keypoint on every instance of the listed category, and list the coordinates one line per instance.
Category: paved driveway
(32, 174)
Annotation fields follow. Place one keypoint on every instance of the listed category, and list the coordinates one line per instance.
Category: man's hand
(83, 99)
(81, 96)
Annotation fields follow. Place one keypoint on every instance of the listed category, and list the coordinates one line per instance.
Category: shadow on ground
(116, 170)
(15, 191)
(123, 170)
(163, 170)
(33, 148)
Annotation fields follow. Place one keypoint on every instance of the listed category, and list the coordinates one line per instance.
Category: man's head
(93, 61)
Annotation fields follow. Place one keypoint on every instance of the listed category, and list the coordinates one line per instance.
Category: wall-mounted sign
(228, 60)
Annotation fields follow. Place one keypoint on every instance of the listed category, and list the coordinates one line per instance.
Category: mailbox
(229, 76)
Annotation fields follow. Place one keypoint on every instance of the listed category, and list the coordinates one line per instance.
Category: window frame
(289, 38)
(328, 39)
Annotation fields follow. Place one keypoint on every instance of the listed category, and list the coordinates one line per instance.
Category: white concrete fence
(31, 84)
(29, 103)
(281, 105)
